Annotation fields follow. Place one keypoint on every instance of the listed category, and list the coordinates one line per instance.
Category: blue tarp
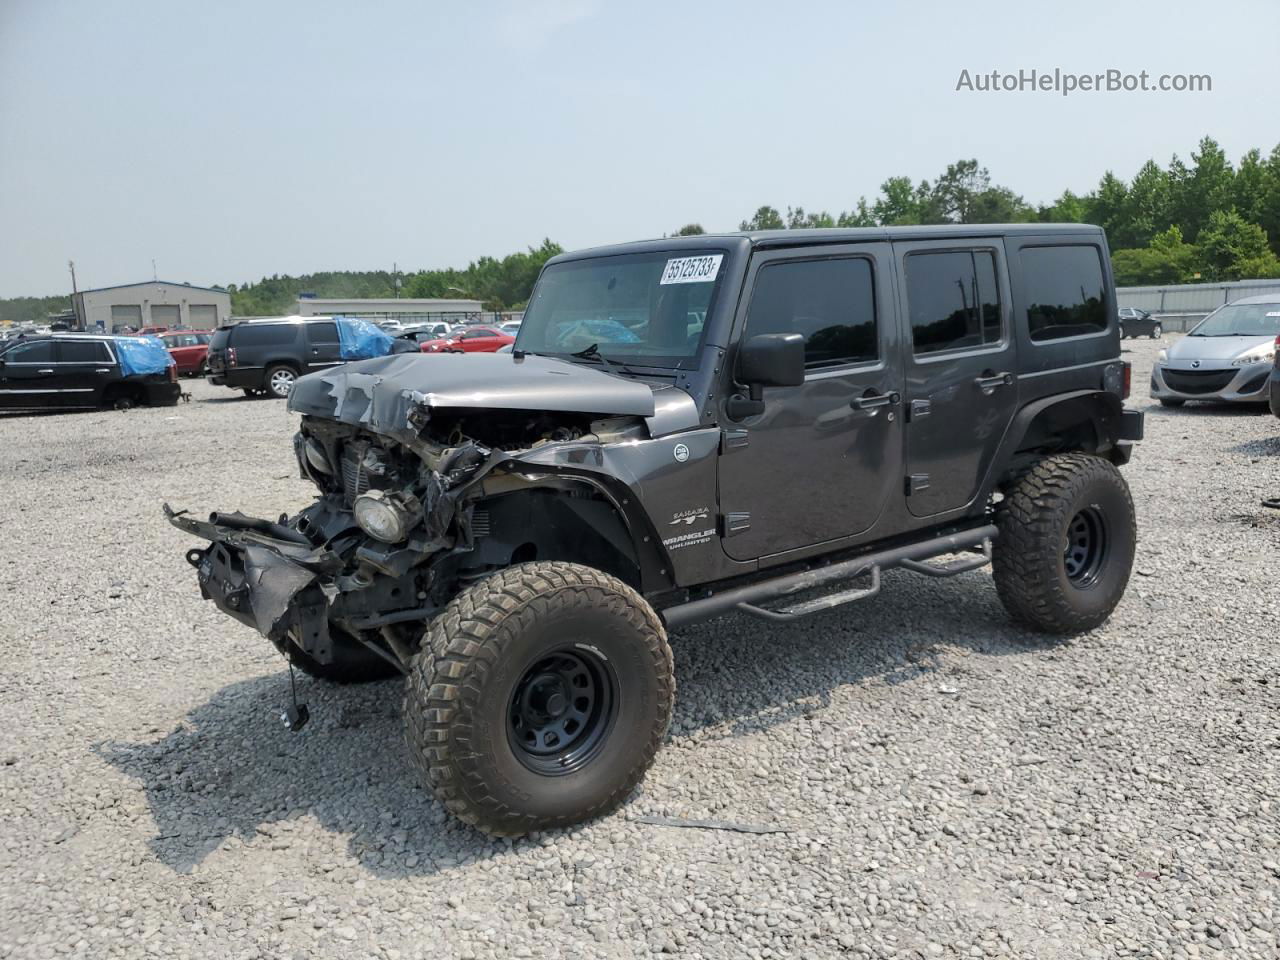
(140, 355)
(359, 339)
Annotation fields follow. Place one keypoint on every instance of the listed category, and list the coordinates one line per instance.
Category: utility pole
(71, 265)
(395, 277)
(153, 269)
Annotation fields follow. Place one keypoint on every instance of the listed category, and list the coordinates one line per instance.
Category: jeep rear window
(219, 339)
(264, 334)
(1064, 291)
(638, 308)
(952, 300)
(830, 302)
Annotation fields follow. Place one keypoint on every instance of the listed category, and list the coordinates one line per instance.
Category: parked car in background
(1275, 380)
(75, 370)
(510, 328)
(265, 357)
(425, 332)
(189, 350)
(1229, 355)
(391, 326)
(476, 339)
(152, 331)
(1138, 323)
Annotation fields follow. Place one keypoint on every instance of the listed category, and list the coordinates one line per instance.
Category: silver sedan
(1227, 356)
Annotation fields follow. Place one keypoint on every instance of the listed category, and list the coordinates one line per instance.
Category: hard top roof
(763, 239)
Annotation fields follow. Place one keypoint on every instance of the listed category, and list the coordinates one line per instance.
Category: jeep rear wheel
(539, 698)
(1066, 544)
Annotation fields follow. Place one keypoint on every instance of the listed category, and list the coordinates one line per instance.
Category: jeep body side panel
(958, 401)
(816, 466)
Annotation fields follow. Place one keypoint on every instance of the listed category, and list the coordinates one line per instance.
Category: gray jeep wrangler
(756, 423)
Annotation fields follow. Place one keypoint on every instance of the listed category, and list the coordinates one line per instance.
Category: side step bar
(911, 557)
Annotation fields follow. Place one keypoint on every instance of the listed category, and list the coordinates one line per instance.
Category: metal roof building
(387, 308)
(156, 303)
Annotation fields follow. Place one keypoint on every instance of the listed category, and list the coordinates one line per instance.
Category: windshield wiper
(593, 353)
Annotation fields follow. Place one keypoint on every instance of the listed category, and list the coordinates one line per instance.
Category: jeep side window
(1064, 291)
(830, 302)
(953, 300)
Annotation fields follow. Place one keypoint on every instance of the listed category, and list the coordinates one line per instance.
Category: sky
(232, 140)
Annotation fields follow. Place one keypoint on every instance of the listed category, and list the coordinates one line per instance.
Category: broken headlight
(383, 516)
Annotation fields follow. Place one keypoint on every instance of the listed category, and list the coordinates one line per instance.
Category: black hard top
(762, 239)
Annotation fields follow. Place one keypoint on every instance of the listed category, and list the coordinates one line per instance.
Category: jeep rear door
(823, 460)
(961, 384)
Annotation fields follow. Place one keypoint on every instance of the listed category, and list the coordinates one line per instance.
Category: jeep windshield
(1241, 320)
(644, 309)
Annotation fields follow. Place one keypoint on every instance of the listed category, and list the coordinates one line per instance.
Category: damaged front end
(391, 536)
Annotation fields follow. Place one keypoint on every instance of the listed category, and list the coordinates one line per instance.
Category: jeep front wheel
(1066, 544)
(539, 698)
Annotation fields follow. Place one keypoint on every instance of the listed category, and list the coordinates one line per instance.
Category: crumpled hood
(1215, 351)
(381, 393)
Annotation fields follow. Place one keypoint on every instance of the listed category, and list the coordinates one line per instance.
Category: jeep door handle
(875, 400)
(44, 372)
(989, 381)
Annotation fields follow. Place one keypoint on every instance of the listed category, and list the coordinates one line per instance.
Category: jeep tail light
(231, 356)
(173, 373)
(1126, 379)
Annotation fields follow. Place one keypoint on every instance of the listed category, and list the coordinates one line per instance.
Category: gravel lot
(948, 785)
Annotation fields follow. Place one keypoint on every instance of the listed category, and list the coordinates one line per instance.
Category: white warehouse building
(156, 303)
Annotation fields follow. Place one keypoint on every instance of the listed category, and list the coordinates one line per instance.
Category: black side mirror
(766, 360)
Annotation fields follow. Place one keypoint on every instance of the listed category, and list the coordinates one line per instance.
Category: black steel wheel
(539, 698)
(561, 710)
(1085, 549)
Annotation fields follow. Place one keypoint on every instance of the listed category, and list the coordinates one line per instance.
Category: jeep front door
(961, 388)
(823, 459)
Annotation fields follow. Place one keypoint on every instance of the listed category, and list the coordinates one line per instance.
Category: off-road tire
(1171, 403)
(461, 690)
(1029, 561)
(1156, 331)
(352, 662)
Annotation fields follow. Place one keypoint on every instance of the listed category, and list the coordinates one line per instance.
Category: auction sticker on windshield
(692, 269)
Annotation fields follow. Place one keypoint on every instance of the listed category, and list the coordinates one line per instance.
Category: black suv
(758, 423)
(265, 357)
(77, 371)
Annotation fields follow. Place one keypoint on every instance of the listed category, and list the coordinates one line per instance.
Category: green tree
(1228, 245)
(859, 216)
(690, 230)
(1169, 259)
(766, 218)
(897, 204)
(1068, 208)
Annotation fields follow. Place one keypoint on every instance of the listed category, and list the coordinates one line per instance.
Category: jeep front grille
(1198, 381)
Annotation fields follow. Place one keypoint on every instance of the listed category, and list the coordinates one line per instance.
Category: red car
(188, 350)
(470, 340)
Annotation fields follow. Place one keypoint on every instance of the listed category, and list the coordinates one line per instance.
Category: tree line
(1202, 219)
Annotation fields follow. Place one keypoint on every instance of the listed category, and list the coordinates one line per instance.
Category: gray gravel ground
(951, 785)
